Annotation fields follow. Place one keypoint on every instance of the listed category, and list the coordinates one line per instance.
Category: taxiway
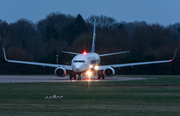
(13, 79)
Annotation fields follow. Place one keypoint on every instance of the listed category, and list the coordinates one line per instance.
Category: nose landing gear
(79, 77)
(73, 75)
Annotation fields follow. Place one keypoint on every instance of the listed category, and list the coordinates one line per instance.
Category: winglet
(4, 54)
(174, 56)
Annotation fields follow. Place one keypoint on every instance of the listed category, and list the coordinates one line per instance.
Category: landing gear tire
(103, 77)
(100, 74)
(79, 77)
(72, 75)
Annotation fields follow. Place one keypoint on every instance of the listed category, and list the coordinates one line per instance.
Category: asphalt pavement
(13, 79)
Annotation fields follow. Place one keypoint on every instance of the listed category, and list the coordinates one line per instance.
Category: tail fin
(94, 37)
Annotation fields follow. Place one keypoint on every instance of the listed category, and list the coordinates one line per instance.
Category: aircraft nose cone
(77, 67)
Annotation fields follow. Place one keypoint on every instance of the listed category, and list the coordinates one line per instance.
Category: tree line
(41, 41)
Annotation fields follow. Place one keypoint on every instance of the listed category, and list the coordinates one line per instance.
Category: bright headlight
(89, 73)
(90, 66)
(96, 67)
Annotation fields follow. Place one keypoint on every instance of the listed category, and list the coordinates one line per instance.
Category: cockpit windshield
(79, 61)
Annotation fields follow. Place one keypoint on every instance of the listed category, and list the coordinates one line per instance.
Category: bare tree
(5, 34)
(101, 21)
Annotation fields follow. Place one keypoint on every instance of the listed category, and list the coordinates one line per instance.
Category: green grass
(159, 95)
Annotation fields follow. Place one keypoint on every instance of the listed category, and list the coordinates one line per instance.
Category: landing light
(96, 67)
(90, 66)
(89, 73)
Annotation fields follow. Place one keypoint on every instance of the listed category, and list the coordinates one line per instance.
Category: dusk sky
(164, 12)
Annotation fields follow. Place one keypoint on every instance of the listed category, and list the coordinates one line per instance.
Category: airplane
(86, 62)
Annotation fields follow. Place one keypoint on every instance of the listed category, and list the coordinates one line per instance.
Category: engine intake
(109, 72)
(60, 72)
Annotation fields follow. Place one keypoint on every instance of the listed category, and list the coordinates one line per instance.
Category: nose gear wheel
(79, 77)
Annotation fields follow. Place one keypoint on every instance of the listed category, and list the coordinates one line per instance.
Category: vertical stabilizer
(94, 37)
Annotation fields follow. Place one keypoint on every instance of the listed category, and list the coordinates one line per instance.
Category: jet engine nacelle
(109, 72)
(60, 72)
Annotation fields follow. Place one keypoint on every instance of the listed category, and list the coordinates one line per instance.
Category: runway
(14, 79)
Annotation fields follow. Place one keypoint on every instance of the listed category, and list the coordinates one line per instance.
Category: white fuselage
(81, 62)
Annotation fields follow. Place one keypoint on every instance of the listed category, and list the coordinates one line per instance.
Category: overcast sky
(164, 12)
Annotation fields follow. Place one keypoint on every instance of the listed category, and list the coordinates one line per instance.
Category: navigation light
(84, 53)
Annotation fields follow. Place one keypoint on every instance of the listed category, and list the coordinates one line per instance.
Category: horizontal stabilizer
(70, 52)
(114, 53)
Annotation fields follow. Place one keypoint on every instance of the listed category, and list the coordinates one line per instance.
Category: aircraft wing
(134, 64)
(67, 67)
(114, 53)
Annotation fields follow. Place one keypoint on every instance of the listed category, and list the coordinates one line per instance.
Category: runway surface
(13, 79)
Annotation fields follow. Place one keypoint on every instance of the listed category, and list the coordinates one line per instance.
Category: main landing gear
(100, 74)
(72, 75)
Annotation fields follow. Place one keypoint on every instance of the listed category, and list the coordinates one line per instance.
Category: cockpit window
(80, 61)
